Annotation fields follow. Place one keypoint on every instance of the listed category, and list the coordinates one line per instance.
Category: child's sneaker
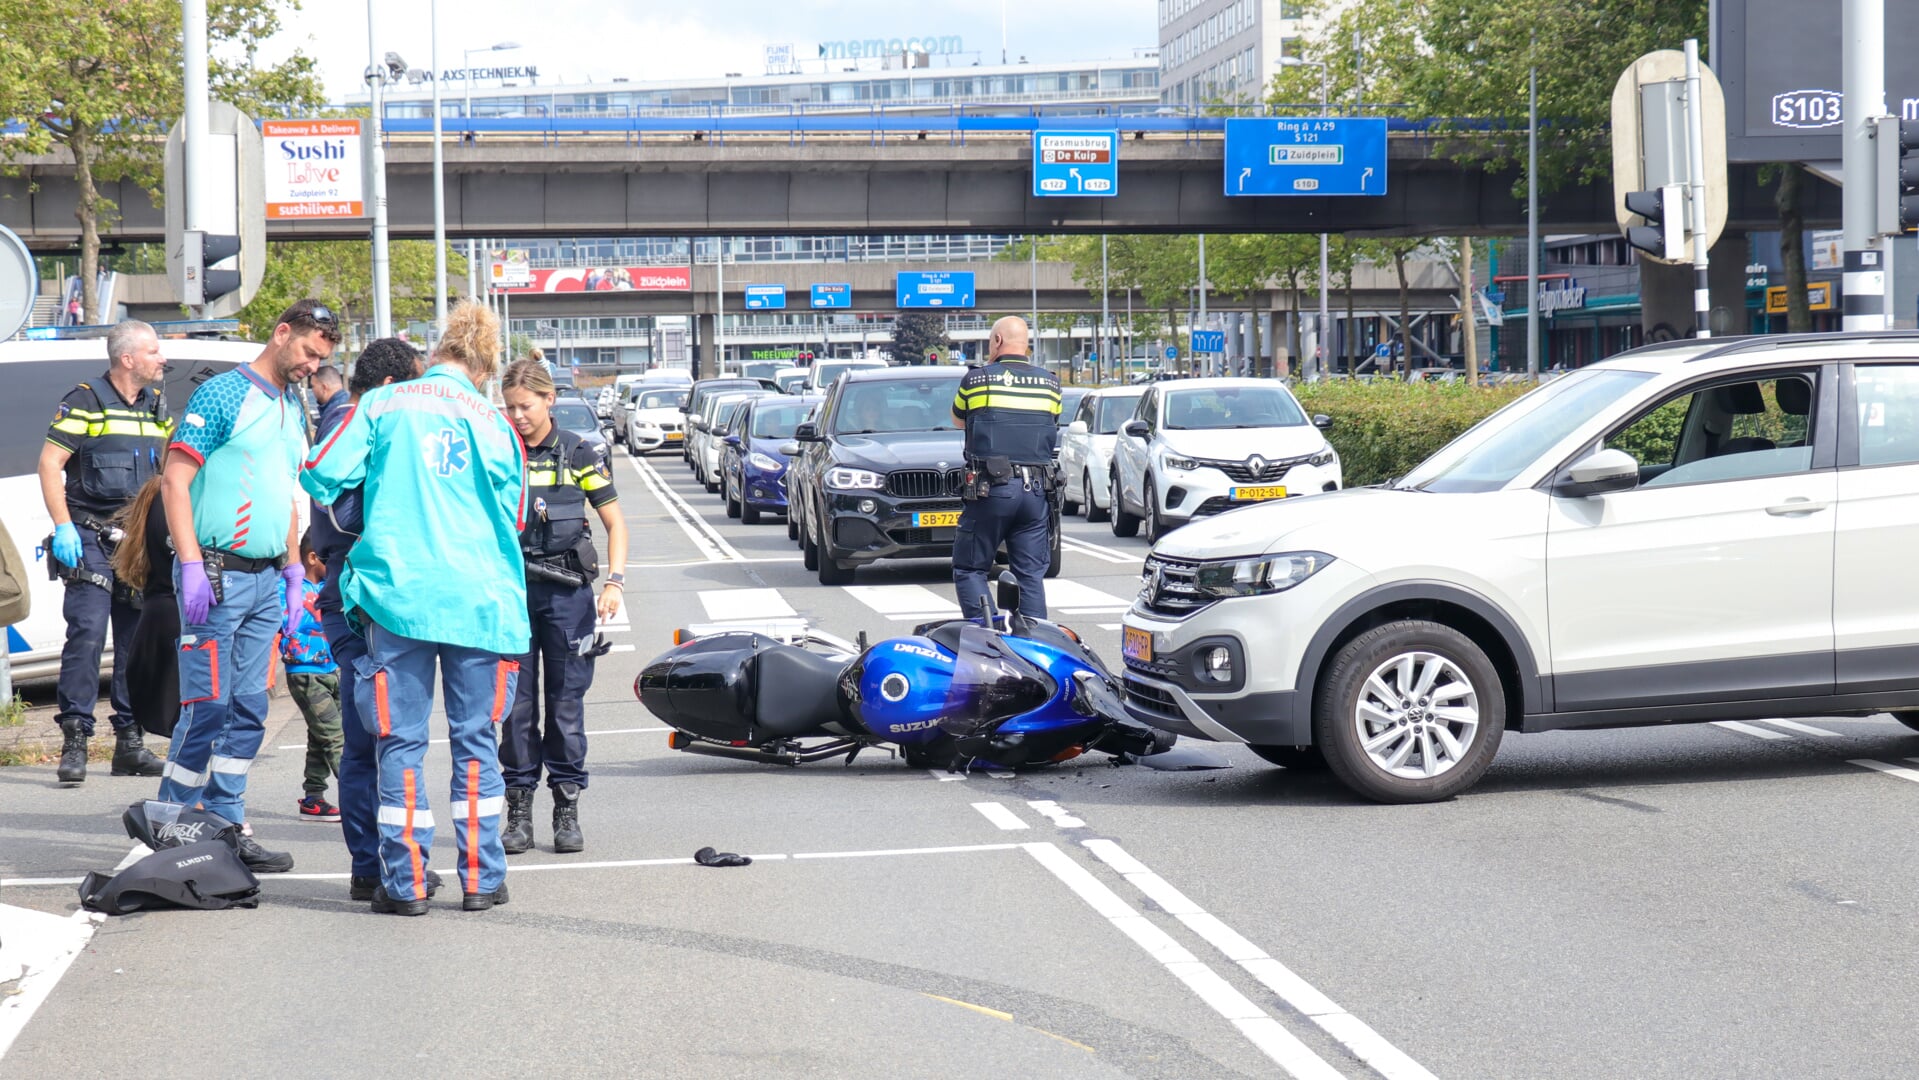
(316, 808)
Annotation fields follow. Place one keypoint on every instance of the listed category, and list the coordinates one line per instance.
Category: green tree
(915, 332)
(103, 81)
(341, 273)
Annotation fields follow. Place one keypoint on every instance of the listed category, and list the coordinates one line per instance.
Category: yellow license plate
(936, 519)
(1258, 494)
(1136, 644)
(675, 436)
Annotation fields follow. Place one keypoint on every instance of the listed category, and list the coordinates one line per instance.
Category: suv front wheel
(1409, 712)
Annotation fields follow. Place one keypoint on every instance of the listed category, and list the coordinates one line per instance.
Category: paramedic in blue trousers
(1010, 410)
(334, 528)
(436, 587)
(106, 438)
(564, 477)
(230, 498)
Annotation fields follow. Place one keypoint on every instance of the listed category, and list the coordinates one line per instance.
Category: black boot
(130, 754)
(566, 818)
(73, 753)
(518, 836)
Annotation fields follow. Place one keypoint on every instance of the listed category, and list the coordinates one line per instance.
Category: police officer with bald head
(1009, 408)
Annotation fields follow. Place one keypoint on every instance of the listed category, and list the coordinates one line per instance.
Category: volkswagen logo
(1257, 464)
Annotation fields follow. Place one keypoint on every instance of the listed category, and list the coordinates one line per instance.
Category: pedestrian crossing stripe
(745, 605)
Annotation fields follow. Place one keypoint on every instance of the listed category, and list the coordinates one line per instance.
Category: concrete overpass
(592, 183)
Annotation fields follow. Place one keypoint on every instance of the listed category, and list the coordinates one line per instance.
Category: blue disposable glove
(196, 593)
(66, 544)
(295, 580)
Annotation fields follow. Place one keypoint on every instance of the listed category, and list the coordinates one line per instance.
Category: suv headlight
(1184, 464)
(1324, 457)
(763, 463)
(854, 480)
(1253, 577)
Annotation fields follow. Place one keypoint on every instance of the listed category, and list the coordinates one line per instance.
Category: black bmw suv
(877, 472)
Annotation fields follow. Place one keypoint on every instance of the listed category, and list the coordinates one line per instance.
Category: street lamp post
(466, 77)
(1324, 330)
(439, 181)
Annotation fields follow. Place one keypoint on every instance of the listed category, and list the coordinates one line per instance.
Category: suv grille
(1150, 699)
(1169, 588)
(1270, 472)
(923, 483)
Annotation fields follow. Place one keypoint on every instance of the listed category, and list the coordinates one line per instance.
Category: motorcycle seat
(795, 691)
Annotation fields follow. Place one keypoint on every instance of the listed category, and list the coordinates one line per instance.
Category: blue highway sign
(1209, 341)
(765, 297)
(1305, 155)
(934, 289)
(833, 296)
(1075, 163)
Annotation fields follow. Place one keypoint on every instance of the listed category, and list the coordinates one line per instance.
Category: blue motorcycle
(955, 694)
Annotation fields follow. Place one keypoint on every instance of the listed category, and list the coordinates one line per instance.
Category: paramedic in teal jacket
(435, 581)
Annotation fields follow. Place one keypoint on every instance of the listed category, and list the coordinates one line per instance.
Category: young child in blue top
(314, 681)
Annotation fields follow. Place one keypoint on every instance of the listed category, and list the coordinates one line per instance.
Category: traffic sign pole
(1696, 165)
(1863, 31)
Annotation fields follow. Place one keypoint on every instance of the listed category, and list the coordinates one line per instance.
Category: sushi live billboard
(313, 169)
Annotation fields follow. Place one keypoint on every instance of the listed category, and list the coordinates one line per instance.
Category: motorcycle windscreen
(991, 684)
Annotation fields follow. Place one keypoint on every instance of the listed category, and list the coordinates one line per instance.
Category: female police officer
(435, 581)
(564, 475)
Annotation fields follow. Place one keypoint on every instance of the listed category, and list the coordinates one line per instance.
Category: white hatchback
(1198, 447)
(1086, 449)
(1701, 530)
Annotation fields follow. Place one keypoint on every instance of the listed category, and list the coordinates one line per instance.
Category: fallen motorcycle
(955, 694)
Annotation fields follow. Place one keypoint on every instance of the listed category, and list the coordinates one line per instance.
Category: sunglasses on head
(320, 318)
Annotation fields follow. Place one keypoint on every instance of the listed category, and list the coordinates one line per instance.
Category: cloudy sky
(575, 41)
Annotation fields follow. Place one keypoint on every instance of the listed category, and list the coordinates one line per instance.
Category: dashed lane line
(998, 814)
(1753, 730)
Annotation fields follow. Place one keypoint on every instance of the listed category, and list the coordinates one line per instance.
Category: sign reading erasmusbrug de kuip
(313, 169)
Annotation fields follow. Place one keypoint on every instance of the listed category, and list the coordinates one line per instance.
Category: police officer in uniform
(108, 435)
(564, 478)
(1010, 409)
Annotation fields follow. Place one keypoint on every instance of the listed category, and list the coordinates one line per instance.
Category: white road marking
(1109, 626)
(739, 605)
(1748, 729)
(622, 648)
(704, 536)
(1255, 1023)
(942, 775)
(998, 814)
(35, 951)
(1111, 555)
(1899, 771)
(1057, 814)
(706, 562)
(590, 734)
(903, 601)
(135, 854)
(1354, 1034)
(1075, 598)
(1804, 729)
(513, 868)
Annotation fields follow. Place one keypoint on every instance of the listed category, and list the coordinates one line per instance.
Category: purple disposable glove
(295, 579)
(196, 592)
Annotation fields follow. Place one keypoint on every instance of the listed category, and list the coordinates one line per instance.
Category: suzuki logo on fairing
(917, 725)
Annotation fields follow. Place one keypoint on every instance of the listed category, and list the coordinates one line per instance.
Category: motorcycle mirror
(1185, 756)
(1008, 592)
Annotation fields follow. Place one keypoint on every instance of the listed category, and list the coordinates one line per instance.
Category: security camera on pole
(1669, 164)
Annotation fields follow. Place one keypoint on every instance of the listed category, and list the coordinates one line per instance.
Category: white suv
(1086, 449)
(1691, 531)
(1197, 447)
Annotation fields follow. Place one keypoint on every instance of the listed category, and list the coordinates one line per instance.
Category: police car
(37, 374)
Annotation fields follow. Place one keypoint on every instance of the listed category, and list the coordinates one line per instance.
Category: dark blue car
(752, 468)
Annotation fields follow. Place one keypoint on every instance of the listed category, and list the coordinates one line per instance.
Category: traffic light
(1898, 176)
(204, 282)
(1664, 234)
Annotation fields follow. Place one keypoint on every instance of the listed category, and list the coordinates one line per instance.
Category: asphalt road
(1704, 901)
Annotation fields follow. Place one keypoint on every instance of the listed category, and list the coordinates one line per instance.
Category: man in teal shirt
(229, 494)
(437, 582)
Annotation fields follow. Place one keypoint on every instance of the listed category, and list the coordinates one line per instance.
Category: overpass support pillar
(706, 360)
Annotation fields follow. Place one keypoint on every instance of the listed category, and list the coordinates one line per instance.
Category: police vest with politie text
(1011, 409)
(564, 476)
